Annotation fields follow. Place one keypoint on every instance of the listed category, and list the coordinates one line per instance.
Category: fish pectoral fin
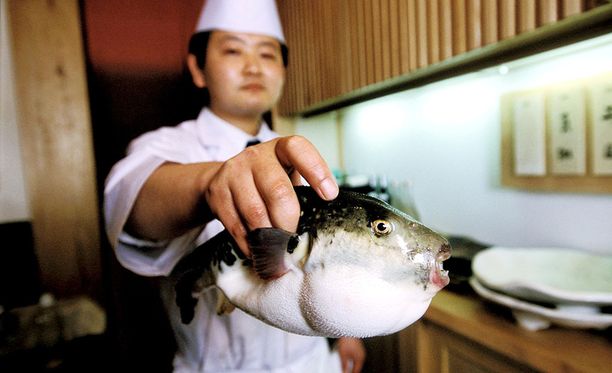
(188, 286)
(184, 296)
(224, 306)
(269, 247)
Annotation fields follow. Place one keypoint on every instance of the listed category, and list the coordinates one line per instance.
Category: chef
(179, 186)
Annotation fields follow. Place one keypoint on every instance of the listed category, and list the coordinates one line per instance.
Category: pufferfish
(355, 267)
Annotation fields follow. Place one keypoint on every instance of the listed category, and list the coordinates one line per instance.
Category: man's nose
(252, 64)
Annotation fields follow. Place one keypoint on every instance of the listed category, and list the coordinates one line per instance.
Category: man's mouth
(253, 87)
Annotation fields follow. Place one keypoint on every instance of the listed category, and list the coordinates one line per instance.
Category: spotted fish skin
(354, 267)
(197, 270)
(351, 212)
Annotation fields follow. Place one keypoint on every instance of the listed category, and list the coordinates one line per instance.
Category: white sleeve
(121, 189)
(145, 154)
(126, 178)
(148, 258)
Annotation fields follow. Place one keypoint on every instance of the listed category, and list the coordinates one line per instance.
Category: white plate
(534, 317)
(560, 276)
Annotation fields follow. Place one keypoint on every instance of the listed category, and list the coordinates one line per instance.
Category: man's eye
(231, 51)
(269, 56)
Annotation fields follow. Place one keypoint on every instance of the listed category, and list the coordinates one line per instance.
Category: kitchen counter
(462, 330)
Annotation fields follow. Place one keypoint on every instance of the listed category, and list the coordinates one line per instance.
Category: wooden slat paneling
(329, 76)
(351, 39)
(547, 12)
(394, 30)
(446, 29)
(344, 45)
(570, 7)
(303, 49)
(385, 25)
(507, 19)
(433, 31)
(288, 100)
(362, 57)
(319, 24)
(490, 25)
(526, 15)
(413, 58)
(404, 36)
(369, 41)
(313, 69)
(421, 33)
(473, 24)
(377, 41)
(297, 65)
(459, 27)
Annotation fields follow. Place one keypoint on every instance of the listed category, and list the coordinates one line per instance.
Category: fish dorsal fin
(270, 247)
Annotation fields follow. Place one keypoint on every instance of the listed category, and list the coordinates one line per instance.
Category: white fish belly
(275, 302)
(351, 301)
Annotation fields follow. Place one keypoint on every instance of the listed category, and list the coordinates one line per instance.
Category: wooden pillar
(57, 146)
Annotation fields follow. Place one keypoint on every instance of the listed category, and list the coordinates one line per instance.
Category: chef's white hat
(248, 16)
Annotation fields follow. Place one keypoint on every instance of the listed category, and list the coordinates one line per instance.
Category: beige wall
(13, 203)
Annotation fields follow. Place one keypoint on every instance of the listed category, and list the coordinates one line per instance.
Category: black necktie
(252, 142)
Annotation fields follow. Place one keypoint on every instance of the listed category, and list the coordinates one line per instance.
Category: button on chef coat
(210, 343)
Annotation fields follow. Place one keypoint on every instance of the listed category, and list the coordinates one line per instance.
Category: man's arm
(253, 189)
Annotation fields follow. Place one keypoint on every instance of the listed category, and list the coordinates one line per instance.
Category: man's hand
(352, 354)
(254, 189)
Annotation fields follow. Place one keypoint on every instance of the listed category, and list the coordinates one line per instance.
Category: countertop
(555, 349)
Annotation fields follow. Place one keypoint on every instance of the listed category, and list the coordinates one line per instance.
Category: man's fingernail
(329, 189)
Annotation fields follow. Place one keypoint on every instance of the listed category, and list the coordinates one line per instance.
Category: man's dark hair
(199, 43)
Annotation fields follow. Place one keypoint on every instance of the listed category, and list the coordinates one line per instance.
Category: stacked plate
(544, 286)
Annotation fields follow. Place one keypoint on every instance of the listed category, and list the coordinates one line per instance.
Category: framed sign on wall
(559, 137)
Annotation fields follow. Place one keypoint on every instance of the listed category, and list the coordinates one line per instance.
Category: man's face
(244, 73)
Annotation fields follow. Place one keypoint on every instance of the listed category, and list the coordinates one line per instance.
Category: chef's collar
(216, 132)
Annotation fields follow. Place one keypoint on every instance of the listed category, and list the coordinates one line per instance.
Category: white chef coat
(210, 343)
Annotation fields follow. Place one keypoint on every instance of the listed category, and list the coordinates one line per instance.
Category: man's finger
(277, 191)
(298, 154)
(231, 220)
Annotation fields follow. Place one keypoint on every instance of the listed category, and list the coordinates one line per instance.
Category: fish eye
(381, 227)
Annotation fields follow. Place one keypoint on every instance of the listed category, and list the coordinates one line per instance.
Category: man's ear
(197, 75)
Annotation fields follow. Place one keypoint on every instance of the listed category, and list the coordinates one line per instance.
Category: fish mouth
(439, 276)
